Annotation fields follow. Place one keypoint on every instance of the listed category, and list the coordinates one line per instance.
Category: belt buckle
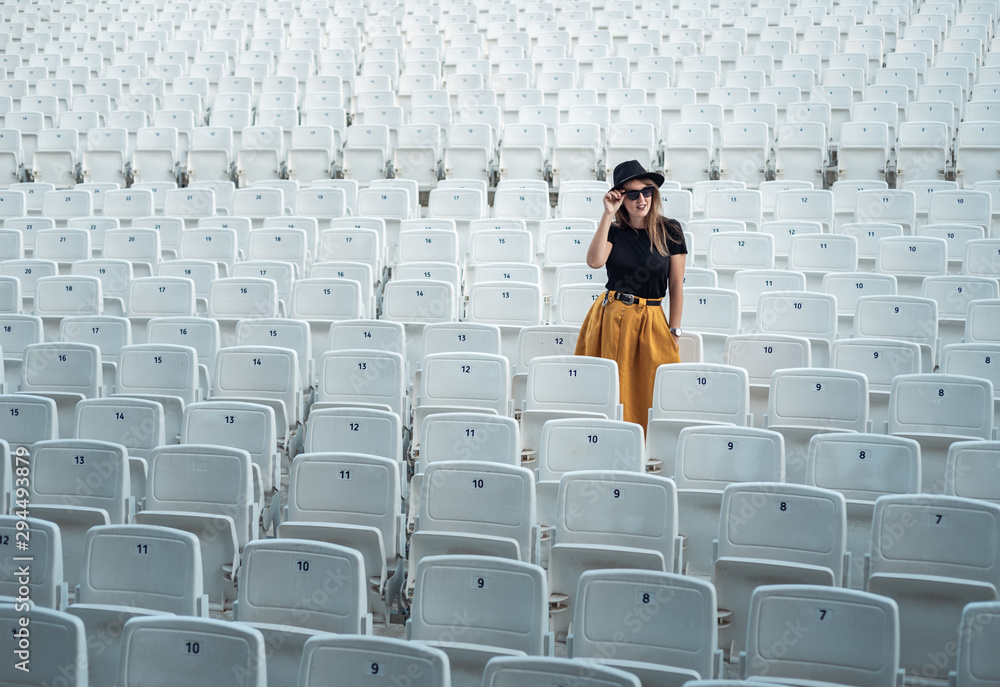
(626, 298)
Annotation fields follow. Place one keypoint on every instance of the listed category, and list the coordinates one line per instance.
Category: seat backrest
(73, 295)
(80, 472)
(148, 297)
(867, 234)
(147, 566)
(953, 293)
(224, 485)
(16, 332)
(62, 245)
(918, 256)
(878, 359)
(504, 603)
(260, 371)
(358, 239)
(799, 313)
(210, 649)
(396, 659)
(740, 250)
(135, 423)
(160, 369)
(982, 258)
(260, 202)
(570, 444)
(741, 134)
(542, 340)
(738, 204)
(364, 376)
(460, 337)
(971, 470)
(562, 247)
(712, 310)
(659, 598)
(701, 391)
(684, 134)
(848, 287)
(803, 133)
(326, 300)
(615, 518)
(107, 332)
(752, 283)
(844, 636)
(325, 203)
(978, 635)
(982, 321)
(44, 583)
(479, 380)
(925, 133)
(958, 235)
(823, 253)
(412, 300)
(128, 203)
(762, 354)
(363, 430)
(68, 203)
(944, 536)
(63, 367)
(709, 457)
(810, 523)
(863, 467)
(277, 243)
(503, 303)
(537, 671)
(247, 426)
(428, 244)
(966, 206)
(816, 397)
(235, 298)
(941, 404)
(573, 383)
(58, 645)
(133, 243)
(480, 498)
(278, 573)
(347, 488)
(514, 199)
(377, 334)
(886, 205)
(469, 436)
(814, 204)
(200, 333)
(865, 134)
(20, 278)
(909, 318)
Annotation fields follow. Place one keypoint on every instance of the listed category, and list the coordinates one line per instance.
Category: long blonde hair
(657, 226)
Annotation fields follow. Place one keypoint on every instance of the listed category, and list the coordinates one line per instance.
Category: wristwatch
(676, 331)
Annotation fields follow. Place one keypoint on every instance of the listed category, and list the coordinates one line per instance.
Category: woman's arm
(600, 247)
(675, 291)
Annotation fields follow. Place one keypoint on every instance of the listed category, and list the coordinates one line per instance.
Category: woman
(644, 253)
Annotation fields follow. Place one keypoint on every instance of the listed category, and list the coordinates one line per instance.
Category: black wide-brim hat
(631, 169)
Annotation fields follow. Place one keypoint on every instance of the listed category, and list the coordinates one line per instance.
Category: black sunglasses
(646, 192)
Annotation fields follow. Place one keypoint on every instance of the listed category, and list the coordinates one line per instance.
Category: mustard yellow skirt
(638, 338)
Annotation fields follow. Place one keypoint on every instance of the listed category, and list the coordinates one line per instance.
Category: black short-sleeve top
(635, 267)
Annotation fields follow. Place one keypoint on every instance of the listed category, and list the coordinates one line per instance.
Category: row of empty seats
(750, 516)
(486, 93)
(353, 205)
(829, 652)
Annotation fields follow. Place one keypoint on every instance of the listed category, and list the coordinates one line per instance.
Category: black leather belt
(629, 299)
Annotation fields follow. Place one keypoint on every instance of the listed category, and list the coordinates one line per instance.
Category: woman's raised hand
(612, 201)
